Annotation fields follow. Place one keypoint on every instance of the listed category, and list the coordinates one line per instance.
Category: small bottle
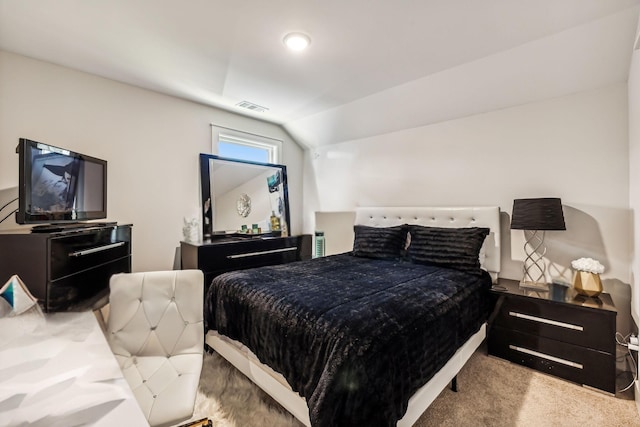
(275, 222)
(319, 244)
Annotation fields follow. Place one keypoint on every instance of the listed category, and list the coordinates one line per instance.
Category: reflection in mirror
(243, 197)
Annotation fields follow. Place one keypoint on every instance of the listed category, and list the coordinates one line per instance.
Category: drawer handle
(546, 356)
(547, 321)
(96, 249)
(272, 251)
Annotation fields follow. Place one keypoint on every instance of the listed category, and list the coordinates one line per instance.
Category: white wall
(574, 147)
(151, 142)
(634, 183)
(261, 205)
(634, 171)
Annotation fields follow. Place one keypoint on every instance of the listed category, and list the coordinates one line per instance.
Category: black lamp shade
(537, 214)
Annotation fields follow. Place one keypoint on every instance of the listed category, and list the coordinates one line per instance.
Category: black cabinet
(557, 332)
(238, 253)
(67, 270)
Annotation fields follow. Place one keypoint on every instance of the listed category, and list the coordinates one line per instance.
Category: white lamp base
(534, 265)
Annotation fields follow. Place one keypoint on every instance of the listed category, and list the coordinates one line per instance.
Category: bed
(369, 338)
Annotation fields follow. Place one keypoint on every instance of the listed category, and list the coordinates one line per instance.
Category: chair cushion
(165, 388)
(156, 331)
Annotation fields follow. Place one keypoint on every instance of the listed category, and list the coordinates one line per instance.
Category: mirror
(243, 197)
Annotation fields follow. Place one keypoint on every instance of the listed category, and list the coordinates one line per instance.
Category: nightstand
(557, 332)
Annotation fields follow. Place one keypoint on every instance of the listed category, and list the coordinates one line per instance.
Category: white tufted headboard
(451, 217)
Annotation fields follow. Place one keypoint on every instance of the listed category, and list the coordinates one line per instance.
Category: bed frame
(274, 383)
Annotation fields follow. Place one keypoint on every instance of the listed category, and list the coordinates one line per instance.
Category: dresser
(557, 332)
(237, 253)
(67, 270)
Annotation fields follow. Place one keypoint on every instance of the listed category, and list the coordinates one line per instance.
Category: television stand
(68, 270)
(69, 226)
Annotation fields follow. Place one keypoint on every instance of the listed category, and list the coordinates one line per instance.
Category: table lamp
(537, 216)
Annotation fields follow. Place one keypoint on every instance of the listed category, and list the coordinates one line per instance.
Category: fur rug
(229, 399)
(492, 392)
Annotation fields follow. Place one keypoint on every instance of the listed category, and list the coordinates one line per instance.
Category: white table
(58, 370)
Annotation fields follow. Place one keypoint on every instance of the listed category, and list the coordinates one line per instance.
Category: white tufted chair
(156, 332)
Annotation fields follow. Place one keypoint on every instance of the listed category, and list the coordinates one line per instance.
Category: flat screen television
(57, 185)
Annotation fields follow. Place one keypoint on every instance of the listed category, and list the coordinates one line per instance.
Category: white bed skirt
(276, 386)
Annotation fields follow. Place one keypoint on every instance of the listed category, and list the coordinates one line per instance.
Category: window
(245, 149)
(245, 146)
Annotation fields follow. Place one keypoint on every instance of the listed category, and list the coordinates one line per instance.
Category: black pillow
(457, 248)
(379, 242)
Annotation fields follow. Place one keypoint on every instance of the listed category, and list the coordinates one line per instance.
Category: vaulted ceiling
(373, 66)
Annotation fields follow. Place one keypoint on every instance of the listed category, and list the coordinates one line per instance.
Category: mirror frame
(205, 191)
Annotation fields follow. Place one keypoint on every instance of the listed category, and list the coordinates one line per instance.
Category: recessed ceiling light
(297, 41)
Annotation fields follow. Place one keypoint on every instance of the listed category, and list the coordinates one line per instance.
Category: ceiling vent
(251, 106)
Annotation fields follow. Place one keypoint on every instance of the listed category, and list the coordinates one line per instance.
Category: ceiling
(373, 66)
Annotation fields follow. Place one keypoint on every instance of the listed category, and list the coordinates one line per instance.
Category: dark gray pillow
(457, 248)
(379, 242)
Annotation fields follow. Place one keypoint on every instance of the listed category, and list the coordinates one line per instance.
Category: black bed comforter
(355, 336)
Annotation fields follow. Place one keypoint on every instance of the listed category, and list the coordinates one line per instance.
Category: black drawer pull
(272, 251)
(96, 249)
(547, 321)
(546, 356)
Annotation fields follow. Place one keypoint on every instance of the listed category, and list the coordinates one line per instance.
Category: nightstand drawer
(562, 322)
(578, 364)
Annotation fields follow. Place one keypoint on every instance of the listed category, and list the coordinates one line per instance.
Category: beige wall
(634, 171)
(338, 231)
(151, 142)
(226, 205)
(634, 183)
(574, 147)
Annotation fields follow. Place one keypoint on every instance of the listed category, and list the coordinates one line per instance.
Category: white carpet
(492, 392)
(229, 399)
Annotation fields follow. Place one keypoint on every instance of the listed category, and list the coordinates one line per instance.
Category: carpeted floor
(491, 392)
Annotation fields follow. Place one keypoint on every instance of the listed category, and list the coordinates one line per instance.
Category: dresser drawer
(239, 253)
(574, 325)
(262, 257)
(247, 254)
(77, 252)
(574, 363)
(81, 291)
